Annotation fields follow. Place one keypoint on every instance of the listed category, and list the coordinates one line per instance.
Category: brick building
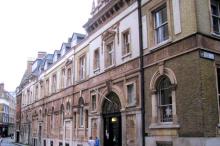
(147, 73)
(7, 112)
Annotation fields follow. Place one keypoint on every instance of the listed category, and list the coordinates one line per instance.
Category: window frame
(216, 17)
(162, 25)
(218, 91)
(126, 51)
(134, 99)
(162, 105)
(96, 60)
(82, 67)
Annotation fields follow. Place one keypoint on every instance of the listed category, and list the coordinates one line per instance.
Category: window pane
(216, 25)
(165, 100)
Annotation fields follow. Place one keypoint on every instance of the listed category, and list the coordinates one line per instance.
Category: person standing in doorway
(97, 142)
(91, 141)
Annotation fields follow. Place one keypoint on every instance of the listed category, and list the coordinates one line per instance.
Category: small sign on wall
(207, 55)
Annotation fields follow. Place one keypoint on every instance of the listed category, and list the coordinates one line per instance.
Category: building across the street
(147, 73)
(7, 112)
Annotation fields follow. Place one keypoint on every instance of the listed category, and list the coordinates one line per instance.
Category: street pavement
(8, 142)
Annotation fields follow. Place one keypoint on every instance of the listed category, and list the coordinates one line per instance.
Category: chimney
(41, 55)
(2, 88)
(29, 66)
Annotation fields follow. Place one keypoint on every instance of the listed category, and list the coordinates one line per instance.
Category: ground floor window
(164, 143)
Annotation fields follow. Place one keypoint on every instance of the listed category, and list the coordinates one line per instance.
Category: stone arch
(117, 91)
(158, 74)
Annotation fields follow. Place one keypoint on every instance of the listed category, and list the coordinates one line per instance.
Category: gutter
(141, 72)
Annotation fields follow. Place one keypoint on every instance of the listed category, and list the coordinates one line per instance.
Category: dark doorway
(112, 120)
(17, 136)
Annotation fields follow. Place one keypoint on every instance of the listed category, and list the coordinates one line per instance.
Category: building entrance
(112, 120)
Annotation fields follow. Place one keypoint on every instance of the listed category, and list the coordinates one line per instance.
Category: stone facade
(93, 87)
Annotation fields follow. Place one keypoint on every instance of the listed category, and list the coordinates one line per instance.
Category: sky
(29, 26)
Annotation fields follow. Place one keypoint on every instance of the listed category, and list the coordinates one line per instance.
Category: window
(126, 48)
(131, 94)
(109, 61)
(93, 102)
(218, 79)
(87, 118)
(36, 92)
(51, 143)
(215, 9)
(41, 89)
(164, 92)
(45, 143)
(96, 64)
(82, 67)
(47, 87)
(164, 143)
(81, 118)
(52, 119)
(61, 116)
(69, 79)
(62, 78)
(161, 25)
(54, 83)
(68, 107)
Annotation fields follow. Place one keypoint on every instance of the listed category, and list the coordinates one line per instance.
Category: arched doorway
(112, 120)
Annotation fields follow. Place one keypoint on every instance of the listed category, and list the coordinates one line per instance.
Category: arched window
(61, 115)
(81, 118)
(52, 118)
(68, 106)
(163, 99)
(164, 95)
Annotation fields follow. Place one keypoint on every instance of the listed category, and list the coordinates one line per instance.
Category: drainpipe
(141, 72)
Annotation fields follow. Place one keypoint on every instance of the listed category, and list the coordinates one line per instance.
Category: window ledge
(109, 67)
(215, 34)
(97, 70)
(126, 55)
(169, 125)
(157, 46)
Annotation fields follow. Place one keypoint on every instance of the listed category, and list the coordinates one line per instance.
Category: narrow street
(8, 142)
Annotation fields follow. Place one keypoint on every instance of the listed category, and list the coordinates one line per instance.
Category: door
(112, 130)
(112, 120)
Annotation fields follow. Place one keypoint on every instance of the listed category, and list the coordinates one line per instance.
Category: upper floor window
(81, 110)
(69, 75)
(126, 47)
(161, 24)
(109, 54)
(41, 89)
(131, 98)
(61, 115)
(82, 67)
(62, 78)
(47, 87)
(36, 92)
(54, 83)
(93, 102)
(96, 59)
(218, 81)
(164, 91)
(215, 8)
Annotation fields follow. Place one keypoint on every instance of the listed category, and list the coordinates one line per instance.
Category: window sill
(168, 125)
(109, 67)
(157, 46)
(126, 55)
(215, 34)
(97, 70)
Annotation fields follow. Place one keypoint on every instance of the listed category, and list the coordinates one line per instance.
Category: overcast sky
(29, 26)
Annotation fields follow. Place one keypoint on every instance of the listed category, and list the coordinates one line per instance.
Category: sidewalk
(9, 140)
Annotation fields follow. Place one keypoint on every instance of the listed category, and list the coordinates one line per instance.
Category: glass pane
(216, 24)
